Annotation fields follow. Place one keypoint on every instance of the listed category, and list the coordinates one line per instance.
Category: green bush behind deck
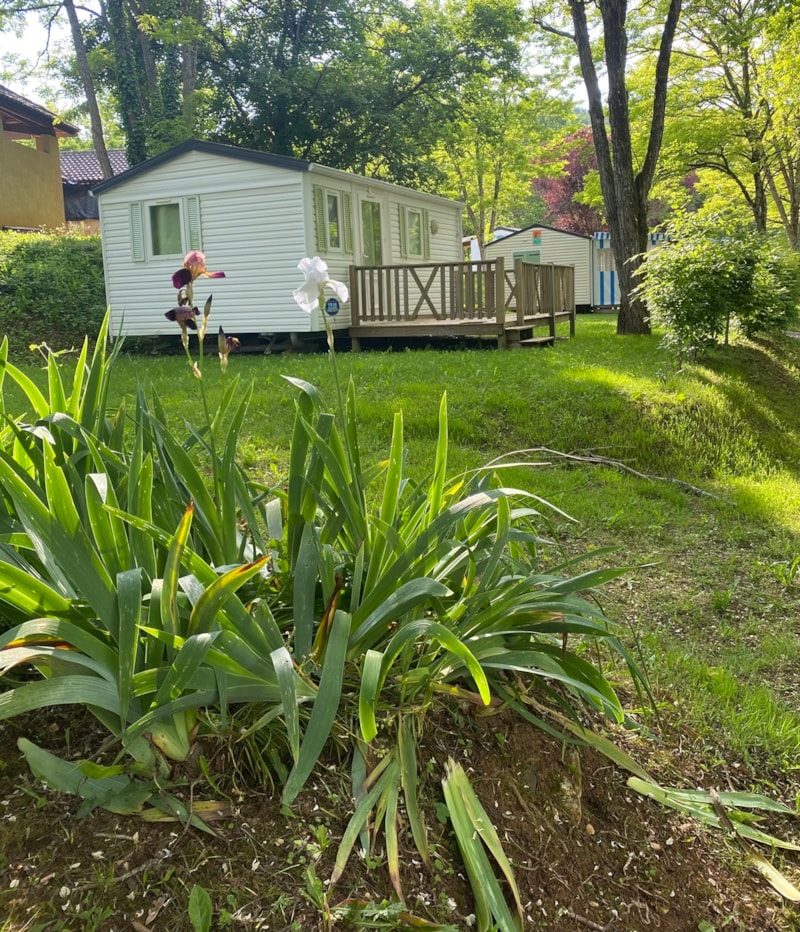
(51, 289)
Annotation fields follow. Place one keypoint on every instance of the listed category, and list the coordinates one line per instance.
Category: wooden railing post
(355, 303)
(500, 302)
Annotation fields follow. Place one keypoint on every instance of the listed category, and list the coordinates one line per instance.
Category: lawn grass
(714, 605)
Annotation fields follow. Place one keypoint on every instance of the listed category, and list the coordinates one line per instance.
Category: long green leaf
(170, 617)
(108, 530)
(368, 693)
(389, 501)
(414, 594)
(29, 387)
(286, 673)
(407, 751)
(304, 591)
(204, 614)
(471, 822)
(116, 793)
(704, 812)
(129, 590)
(325, 708)
(63, 690)
(434, 631)
(359, 818)
(28, 594)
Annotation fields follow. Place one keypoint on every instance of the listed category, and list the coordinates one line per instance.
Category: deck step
(537, 341)
(528, 325)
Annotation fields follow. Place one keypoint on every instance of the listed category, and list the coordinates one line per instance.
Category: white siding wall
(257, 223)
(444, 245)
(558, 248)
(252, 229)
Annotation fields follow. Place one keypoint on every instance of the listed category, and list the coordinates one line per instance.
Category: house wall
(257, 222)
(30, 183)
(251, 228)
(440, 215)
(555, 247)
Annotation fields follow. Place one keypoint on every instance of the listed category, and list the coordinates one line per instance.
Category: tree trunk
(625, 191)
(127, 85)
(88, 88)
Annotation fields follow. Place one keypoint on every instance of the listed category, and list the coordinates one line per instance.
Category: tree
(485, 155)
(15, 15)
(734, 108)
(369, 89)
(563, 192)
(717, 272)
(625, 187)
(143, 54)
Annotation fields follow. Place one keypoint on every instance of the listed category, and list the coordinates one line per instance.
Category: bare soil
(587, 851)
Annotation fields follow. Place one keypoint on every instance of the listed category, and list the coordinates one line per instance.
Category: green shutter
(347, 222)
(136, 214)
(403, 232)
(426, 235)
(320, 219)
(193, 221)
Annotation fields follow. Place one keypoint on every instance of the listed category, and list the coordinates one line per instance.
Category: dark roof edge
(37, 111)
(540, 226)
(212, 148)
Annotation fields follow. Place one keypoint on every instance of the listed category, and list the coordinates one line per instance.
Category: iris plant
(185, 313)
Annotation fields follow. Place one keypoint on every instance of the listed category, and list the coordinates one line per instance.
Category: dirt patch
(588, 853)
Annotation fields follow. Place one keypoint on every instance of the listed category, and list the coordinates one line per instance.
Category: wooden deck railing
(444, 291)
(483, 298)
(541, 289)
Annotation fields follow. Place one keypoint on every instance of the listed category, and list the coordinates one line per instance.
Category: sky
(28, 47)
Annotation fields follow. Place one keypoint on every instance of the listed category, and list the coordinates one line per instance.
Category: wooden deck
(469, 299)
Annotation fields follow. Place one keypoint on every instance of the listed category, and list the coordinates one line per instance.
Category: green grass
(715, 616)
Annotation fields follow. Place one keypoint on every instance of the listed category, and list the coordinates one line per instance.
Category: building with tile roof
(80, 171)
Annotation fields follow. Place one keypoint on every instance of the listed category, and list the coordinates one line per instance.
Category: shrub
(51, 289)
(717, 272)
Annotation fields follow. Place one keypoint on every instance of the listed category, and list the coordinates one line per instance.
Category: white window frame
(406, 212)
(148, 211)
(141, 227)
(344, 212)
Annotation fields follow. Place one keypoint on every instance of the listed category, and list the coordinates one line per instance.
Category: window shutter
(193, 222)
(403, 232)
(426, 235)
(320, 219)
(347, 222)
(136, 215)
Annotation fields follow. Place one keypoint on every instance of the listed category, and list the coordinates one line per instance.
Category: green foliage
(714, 273)
(200, 909)
(51, 289)
(377, 600)
(344, 609)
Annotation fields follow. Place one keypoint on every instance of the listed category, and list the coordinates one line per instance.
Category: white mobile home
(541, 244)
(255, 216)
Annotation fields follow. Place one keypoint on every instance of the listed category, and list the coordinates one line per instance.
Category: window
(165, 228)
(414, 233)
(166, 238)
(332, 220)
(334, 226)
(371, 234)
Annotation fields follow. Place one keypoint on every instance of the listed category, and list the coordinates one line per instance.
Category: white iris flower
(310, 294)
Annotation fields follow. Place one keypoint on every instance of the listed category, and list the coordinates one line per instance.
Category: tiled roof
(24, 116)
(81, 166)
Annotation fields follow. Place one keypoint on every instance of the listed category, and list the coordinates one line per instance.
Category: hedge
(51, 289)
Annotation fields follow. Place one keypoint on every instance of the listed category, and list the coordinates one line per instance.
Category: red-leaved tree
(577, 155)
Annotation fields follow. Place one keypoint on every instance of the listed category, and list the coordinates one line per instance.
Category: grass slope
(715, 607)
